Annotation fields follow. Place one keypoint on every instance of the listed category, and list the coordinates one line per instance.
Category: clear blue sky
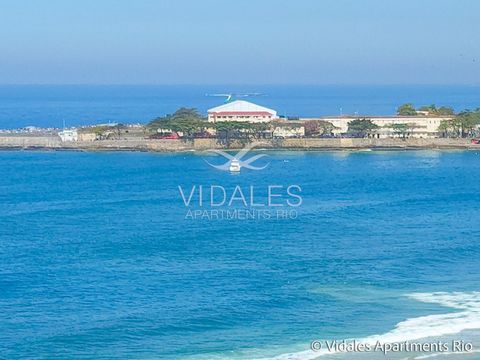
(237, 42)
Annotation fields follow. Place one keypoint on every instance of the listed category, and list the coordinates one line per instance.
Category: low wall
(32, 142)
(374, 143)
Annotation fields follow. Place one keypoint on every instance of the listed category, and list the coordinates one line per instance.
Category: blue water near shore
(49, 106)
(98, 260)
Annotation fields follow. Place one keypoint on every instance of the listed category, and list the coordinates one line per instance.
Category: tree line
(429, 110)
(190, 123)
(462, 124)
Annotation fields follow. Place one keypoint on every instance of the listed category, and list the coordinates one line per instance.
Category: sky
(239, 42)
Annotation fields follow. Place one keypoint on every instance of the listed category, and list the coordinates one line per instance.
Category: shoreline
(181, 146)
(325, 149)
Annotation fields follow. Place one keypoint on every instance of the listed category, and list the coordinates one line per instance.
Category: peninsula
(237, 123)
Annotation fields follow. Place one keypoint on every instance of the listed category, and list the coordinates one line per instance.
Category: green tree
(431, 109)
(406, 110)
(102, 132)
(467, 122)
(184, 120)
(445, 110)
(441, 111)
(315, 128)
(464, 124)
(402, 129)
(445, 127)
(226, 130)
(361, 127)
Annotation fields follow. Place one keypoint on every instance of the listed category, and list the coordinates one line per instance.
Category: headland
(239, 123)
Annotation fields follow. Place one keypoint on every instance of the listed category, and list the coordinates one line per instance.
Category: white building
(418, 126)
(240, 110)
(68, 135)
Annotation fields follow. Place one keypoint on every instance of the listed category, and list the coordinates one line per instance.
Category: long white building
(420, 126)
(240, 110)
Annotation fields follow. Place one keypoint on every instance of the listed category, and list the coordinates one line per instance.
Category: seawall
(54, 143)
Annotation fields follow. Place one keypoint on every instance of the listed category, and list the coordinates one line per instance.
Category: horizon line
(240, 84)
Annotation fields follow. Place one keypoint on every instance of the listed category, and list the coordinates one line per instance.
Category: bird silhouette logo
(236, 162)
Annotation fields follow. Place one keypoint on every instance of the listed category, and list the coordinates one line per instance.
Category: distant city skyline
(233, 42)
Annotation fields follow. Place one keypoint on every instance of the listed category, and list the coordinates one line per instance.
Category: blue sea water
(49, 105)
(98, 259)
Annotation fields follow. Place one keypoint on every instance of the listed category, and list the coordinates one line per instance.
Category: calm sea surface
(99, 261)
(49, 106)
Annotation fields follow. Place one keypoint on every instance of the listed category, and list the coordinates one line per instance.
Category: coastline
(294, 144)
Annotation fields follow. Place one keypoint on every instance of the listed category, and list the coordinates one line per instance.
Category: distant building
(240, 110)
(423, 112)
(418, 126)
(68, 135)
(31, 129)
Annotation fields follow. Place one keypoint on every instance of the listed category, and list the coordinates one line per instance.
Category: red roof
(232, 113)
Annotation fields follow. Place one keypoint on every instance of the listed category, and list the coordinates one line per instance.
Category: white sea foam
(467, 317)
(459, 353)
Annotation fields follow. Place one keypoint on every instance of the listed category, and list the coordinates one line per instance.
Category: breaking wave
(467, 317)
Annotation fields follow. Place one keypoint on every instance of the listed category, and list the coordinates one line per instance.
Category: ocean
(50, 105)
(101, 257)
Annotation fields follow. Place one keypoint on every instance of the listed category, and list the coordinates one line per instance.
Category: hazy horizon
(268, 42)
(253, 84)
